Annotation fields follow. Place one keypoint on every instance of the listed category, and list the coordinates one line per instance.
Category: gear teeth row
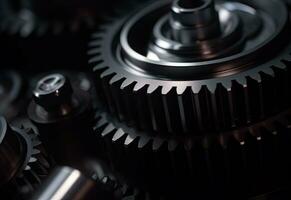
(245, 156)
(37, 164)
(190, 107)
(192, 110)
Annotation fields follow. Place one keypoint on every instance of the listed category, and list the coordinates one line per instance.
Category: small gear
(37, 165)
(29, 163)
(152, 84)
(247, 161)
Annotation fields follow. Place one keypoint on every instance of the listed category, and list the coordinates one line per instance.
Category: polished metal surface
(66, 183)
(194, 20)
(158, 55)
(54, 92)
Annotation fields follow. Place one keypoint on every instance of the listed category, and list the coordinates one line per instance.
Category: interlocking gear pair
(175, 118)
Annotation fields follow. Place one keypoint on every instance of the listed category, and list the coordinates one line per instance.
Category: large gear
(183, 98)
(186, 109)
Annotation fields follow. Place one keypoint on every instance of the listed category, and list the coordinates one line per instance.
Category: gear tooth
(94, 51)
(126, 83)
(172, 145)
(188, 145)
(107, 72)
(181, 89)
(118, 135)
(115, 79)
(35, 152)
(172, 111)
(96, 39)
(138, 86)
(269, 71)
(108, 129)
(27, 168)
(143, 141)
(255, 131)
(95, 59)
(166, 89)
(227, 85)
(255, 77)
(240, 137)
(281, 65)
(95, 43)
(158, 143)
(32, 160)
(102, 122)
(196, 88)
(152, 88)
(129, 139)
(242, 81)
(223, 107)
(270, 127)
(211, 87)
(26, 30)
(100, 67)
(36, 143)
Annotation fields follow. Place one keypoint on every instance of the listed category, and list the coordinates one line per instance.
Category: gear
(146, 89)
(37, 164)
(31, 164)
(243, 161)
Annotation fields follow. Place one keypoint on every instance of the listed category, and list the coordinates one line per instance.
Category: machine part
(201, 100)
(80, 80)
(63, 112)
(164, 87)
(248, 161)
(66, 183)
(46, 35)
(23, 161)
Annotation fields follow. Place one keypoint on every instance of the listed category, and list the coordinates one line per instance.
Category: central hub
(187, 38)
(194, 20)
(196, 30)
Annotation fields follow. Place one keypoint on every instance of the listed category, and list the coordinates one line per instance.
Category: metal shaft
(67, 184)
(193, 20)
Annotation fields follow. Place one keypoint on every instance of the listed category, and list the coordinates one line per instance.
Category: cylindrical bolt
(193, 20)
(53, 91)
(67, 183)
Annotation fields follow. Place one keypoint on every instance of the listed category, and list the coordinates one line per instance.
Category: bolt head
(52, 90)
